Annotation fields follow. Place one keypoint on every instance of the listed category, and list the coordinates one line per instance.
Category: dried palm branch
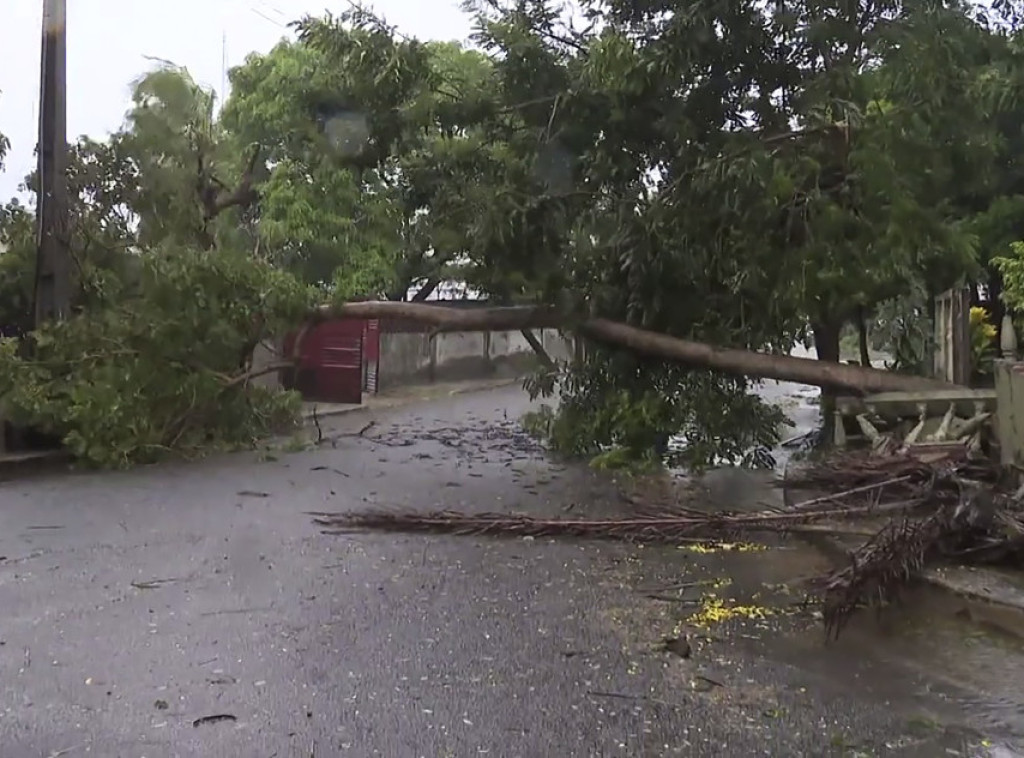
(879, 569)
(665, 524)
(859, 469)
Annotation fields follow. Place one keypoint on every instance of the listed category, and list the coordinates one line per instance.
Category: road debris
(917, 504)
(153, 584)
(213, 719)
(332, 469)
(679, 646)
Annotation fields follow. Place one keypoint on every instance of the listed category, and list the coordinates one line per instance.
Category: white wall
(454, 346)
(415, 357)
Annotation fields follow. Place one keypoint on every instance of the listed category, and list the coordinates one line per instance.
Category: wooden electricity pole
(53, 263)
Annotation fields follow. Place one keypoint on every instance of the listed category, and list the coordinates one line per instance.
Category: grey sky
(109, 39)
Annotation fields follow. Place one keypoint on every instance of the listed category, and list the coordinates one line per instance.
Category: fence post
(952, 330)
(1008, 338)
(1009, 377)
(961, 336)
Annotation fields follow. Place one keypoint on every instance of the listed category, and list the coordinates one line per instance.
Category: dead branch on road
(671, 524)
(671, 528)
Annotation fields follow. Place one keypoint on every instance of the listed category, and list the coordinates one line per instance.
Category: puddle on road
(927, 650)
(959, 679)
(955, 687)
(928, 655)
(925, 646)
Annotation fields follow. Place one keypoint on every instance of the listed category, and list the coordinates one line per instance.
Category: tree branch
(245, 377)
(427, 289)
(538, 349)
(216, 202)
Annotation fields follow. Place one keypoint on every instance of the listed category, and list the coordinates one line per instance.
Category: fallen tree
(152, 369)
(837, 376)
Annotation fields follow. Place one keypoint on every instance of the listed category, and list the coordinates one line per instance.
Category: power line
(267, 18)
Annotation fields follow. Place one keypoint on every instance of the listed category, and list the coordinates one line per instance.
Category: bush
(157, 367)
(983, 334)
(620, 412)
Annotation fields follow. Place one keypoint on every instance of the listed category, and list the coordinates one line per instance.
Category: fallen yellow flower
(716, 547)
(713, 610)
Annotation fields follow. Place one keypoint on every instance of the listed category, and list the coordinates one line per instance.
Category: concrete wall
(405, 357)
(413, 357)
(559, 346)
(452, 347)
(266, 354)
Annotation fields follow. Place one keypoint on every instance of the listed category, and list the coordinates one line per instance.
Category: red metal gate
(330, 365)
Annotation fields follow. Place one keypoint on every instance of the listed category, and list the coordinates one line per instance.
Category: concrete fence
(415, 358)
(408, 358)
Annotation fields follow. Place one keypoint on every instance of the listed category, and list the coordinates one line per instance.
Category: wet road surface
(195, 610)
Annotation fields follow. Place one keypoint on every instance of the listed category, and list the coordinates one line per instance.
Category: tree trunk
(996, 307)
(826, 373)
(862, 337)
(826, 345)
(826, 341)
(930, 345)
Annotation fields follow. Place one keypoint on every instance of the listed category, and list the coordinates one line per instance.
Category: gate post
(953, 336)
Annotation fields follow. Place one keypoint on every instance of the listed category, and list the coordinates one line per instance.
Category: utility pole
(53, 262)
(223, 68)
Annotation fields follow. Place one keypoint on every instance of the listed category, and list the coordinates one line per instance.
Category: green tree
(15, 237)
(192, 185)
(319, 214)
(747, 174)
(17, 255)
(951, 88)
(726, 172)
(364, 131)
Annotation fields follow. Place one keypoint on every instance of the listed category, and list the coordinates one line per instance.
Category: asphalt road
(135, 606)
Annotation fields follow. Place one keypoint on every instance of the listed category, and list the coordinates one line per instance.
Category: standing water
(930, 647)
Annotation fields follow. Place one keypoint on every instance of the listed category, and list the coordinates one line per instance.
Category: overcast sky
(108, 41)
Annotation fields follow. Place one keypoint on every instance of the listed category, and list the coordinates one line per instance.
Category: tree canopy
(743, 174)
